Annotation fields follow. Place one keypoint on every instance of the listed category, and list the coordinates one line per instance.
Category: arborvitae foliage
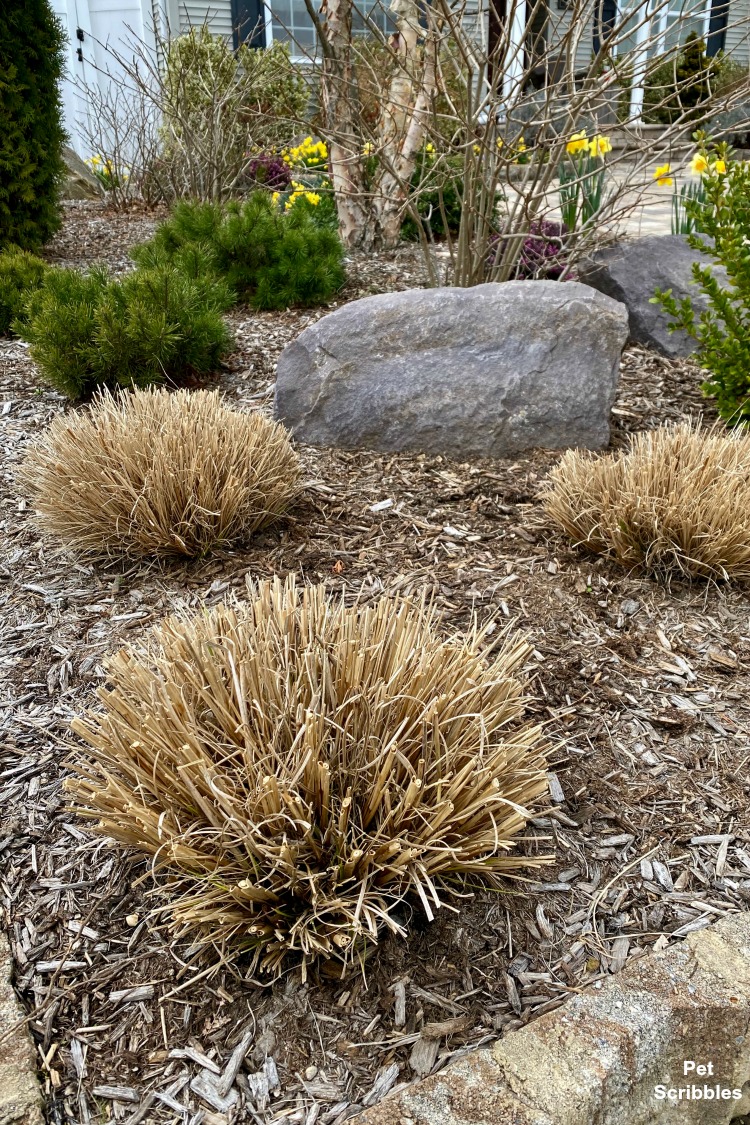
(268, 258)
(87, 330)
(31, 129)
(20, 274)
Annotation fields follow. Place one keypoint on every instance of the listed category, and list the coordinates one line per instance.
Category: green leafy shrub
(722, 331)
(88, 330)
(268, 257)
(219, 106)
(20, 274)
(31, 131)
(680, 85)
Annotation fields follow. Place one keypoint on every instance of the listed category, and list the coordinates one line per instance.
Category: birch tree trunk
(339, 103)
(370, 215)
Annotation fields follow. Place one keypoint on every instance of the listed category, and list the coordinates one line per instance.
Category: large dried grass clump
(155, 473)
(676, 503)
(298, 767)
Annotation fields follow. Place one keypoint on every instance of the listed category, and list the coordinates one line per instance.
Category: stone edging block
(603, 1057)
(20, 1096)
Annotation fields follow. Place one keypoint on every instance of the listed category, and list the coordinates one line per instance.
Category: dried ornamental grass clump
(155, 473)
(296, 768)
(677, 503)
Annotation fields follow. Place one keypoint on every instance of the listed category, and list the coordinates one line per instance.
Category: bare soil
(644, 691)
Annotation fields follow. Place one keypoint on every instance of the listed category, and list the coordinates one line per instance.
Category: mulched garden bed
(645, 692)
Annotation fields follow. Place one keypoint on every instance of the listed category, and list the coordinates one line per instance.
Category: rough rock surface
(599, 1059)
(20, 1096)
(81, 183)
(631, 272)
(478, 372)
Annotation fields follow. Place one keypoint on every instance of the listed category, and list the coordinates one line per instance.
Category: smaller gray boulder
(80, 182)
(479, 372)
(632, 271)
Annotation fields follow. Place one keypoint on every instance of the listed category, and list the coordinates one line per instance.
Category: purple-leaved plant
(269, 170)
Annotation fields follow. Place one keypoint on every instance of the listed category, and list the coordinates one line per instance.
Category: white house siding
(106, 26)
(737, 40)
(217, 16)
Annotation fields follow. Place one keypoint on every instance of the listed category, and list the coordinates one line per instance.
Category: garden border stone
(599, 1058)
(20, 1095)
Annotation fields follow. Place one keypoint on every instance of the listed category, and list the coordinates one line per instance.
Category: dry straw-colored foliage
(296, 767)
(159, 473)
(677, 503)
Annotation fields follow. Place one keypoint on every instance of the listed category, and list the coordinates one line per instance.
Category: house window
(288, 21)
(671, 23)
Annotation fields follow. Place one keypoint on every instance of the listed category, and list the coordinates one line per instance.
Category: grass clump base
(676, 504)
(155, 473)
(296, 767)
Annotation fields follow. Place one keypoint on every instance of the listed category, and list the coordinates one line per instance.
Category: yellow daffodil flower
(577, 143)
(699, 164)
(599, 145)
(662, 176)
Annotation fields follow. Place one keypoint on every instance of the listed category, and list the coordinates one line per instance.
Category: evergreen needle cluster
(269, 258)
(89, 330)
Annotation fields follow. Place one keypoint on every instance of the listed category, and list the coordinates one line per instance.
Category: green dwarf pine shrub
(20, 274)
(722, 330)
(88, 330)
(31, 130)
(267, 257)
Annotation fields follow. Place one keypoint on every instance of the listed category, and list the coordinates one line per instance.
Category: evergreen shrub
(268, 257)
(88, 330)
(31, 129)
(20, 274)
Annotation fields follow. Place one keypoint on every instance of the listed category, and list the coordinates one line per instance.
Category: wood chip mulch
(644, 690)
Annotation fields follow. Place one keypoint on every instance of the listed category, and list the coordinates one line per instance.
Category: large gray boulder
(478, 372)
(80, 181)
(632, 271)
